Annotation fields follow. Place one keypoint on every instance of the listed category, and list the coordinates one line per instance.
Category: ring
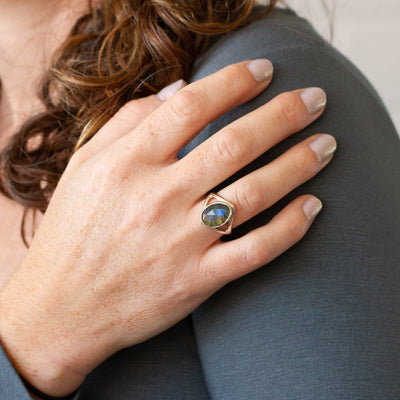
(217, 214)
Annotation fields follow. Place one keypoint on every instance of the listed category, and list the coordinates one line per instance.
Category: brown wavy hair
(120, 50)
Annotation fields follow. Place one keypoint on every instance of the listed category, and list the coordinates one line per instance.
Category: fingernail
(312, 207)
(314, 98)
(170, 90)
(323, 146)
(262, 69)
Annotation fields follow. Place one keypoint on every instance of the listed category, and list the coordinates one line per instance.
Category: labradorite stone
(215, 215)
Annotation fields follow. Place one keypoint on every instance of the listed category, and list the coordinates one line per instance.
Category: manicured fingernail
(314, 98)
(312, 207)
(323, 146)
(170, 90)
(262, 69)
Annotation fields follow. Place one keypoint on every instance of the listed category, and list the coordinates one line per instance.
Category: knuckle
(229, 147)
(186, 106)
(297, 230)
(255, 253)
(76, 161)
(249, 195)
(286, 103)
(108, 168)
(77, 158)
(129, 110)
(301, 165)
(147, 212)
(110, 172)
(233, 76)
(168, 194)
(232, 72)
(150, 210)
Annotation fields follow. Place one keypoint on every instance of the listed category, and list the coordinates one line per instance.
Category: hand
(121, 254)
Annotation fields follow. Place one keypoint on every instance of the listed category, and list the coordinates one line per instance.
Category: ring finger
(243, 140)
(262, 188)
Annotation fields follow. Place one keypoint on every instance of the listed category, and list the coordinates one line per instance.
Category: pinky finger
(226, 261)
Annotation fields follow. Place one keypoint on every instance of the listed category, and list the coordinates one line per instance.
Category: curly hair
(120, 50)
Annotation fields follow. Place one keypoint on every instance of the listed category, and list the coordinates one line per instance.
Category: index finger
(165, 131)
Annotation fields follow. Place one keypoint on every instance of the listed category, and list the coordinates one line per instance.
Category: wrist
(38, 395)
(37, 358)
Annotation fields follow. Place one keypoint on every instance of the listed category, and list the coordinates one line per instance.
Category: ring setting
(217, 214)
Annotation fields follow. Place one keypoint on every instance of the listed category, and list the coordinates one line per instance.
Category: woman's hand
(121, 254)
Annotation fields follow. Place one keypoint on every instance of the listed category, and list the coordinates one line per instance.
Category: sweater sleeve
(323, 319)
(11, 386)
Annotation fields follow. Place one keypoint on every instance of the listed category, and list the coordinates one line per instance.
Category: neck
(30, 31)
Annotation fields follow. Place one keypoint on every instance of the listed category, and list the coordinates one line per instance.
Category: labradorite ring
(218, 214)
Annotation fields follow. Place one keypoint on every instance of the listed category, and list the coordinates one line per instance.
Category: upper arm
(319, 321)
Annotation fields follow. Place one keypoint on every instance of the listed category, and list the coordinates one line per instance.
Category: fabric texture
(11, 386)
(322, 321)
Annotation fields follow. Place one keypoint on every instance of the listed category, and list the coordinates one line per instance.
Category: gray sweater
(322, 321)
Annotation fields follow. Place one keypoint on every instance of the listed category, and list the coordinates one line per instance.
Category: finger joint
(185, 107)
(229, 147)
(249, 195)
(286, 103)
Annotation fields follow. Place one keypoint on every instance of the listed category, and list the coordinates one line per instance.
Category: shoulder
(292, 45)
(301, 58)
(278, 31)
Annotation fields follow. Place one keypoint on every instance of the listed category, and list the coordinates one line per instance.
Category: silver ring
(217, 214)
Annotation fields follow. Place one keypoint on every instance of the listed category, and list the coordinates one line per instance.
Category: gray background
(368, 33)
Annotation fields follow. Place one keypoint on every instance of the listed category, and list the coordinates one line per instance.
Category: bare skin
(121, 218)
(30, 30)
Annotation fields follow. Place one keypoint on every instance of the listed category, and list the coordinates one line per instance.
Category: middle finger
(245, 139)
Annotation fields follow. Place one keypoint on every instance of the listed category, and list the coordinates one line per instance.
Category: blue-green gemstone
(215, 215)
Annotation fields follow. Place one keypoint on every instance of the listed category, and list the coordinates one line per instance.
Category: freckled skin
(121, 254)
